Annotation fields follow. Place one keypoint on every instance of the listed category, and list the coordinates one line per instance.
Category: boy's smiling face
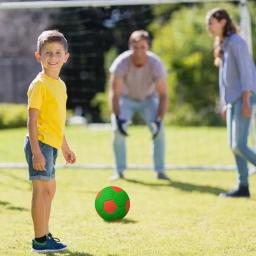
(52, 57)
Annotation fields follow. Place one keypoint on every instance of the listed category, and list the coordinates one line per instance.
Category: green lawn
(184, 217)
(184, 146)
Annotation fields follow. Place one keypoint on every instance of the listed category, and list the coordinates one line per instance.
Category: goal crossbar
(94, 3)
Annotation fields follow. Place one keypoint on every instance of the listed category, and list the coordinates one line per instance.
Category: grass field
(184, 217)
(191, 146)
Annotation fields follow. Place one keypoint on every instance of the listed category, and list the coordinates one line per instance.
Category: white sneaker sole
(44, 251)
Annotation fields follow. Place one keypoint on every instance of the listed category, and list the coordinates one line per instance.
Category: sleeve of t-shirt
(244, 63)
(35, 95)
(159, 70)
(117, 68)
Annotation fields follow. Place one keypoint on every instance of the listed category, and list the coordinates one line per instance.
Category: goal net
(97, 31)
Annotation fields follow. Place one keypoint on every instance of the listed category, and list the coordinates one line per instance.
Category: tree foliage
(186, 49)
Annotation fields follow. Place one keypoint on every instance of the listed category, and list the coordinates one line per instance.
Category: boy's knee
(43, 188)
(51, 192)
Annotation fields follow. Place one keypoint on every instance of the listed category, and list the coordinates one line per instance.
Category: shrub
(13, 115)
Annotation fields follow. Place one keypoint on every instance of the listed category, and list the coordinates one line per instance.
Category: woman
(237, 85)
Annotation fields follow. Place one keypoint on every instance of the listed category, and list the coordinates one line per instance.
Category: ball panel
(109, 206)
(127, 205)
(117, 189)
(98, 195)
(120, 198)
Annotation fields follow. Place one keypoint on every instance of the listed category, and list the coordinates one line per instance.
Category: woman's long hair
(229, 29)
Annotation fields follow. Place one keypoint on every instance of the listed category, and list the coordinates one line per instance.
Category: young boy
(46, 120)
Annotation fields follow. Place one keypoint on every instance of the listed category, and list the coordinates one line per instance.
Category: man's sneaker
(162, 176)
(49, 245)
(241, 191)
(117, 176)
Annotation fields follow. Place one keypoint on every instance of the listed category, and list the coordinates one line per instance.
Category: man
(138, 84)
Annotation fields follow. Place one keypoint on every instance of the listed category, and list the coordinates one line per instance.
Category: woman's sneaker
(50, 245)
(241, 191)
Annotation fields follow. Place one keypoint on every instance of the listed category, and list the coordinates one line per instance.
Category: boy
(46, 120)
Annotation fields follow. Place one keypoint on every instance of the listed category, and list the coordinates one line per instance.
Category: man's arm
(38, 158)
(116, 84)
(162, 91)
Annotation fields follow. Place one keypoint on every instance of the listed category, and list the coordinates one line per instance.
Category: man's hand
(155, 128)
(38, 161)
(122, 125)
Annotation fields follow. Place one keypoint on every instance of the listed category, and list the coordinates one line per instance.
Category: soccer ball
(112, 203)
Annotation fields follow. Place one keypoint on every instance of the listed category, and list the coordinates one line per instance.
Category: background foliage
(97, 35)
(180, 38)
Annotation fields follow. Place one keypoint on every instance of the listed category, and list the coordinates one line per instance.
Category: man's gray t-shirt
(139, 82)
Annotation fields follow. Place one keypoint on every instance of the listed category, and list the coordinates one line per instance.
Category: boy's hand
(38, 161)
(69, 156)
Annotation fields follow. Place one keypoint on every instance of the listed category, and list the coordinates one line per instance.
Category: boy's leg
(49, 197)
(39, 208)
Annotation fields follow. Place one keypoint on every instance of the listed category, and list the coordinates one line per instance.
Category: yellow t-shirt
(49, 96)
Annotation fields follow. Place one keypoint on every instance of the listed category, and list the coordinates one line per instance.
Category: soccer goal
(88, 26)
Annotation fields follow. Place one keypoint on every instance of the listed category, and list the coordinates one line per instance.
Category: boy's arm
(37, 158)
(68, 154)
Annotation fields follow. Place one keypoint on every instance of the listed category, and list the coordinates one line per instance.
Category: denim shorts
(50, 154)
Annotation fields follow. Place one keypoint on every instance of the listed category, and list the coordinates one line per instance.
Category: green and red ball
(112, 203)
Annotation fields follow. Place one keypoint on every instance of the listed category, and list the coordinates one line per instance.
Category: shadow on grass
(69, 253)
(122, 221)
(184, 186)
(9, 206)
(4, 203)
(16, 208)
(9, 174)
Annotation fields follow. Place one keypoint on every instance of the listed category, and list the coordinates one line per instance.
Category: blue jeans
(50, 155)
(148, 110)
(238, 131)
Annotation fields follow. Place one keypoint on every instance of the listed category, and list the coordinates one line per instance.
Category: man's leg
(149, 113)
(119, 140)
(159, 151)
(119, 148)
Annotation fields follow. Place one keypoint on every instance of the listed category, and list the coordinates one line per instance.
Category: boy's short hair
(50, 36)
(138, 35)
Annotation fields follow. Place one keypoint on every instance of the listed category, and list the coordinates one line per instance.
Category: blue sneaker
(57, 240)
(50, 245)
